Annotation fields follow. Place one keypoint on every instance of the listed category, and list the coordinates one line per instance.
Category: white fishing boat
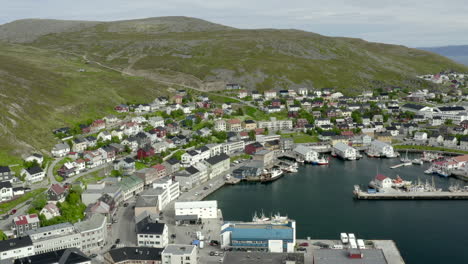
(405, 159)
(417, 161)
(322, 161)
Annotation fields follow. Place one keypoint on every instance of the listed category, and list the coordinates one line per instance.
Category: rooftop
(26, 219)
(237, 257)
(135, 253)
(196, 204)
(179, 249)
(336, 256)
(63, 256)
(15, 243)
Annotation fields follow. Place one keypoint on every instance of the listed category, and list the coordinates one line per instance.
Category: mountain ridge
(458, 53)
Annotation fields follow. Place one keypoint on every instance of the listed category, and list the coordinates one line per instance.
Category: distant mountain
(456, 53)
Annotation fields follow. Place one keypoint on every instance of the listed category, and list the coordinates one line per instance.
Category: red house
(160, 132)
(253, 148)
(218, 112)
(464, 124)
(301, 122)
(178, 99)
(161, 170)
(98, 125)
(145, 152)
(276, 102)
(293, 114)
(122, 108)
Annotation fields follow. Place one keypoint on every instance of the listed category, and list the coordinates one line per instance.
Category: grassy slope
(260, 59)
(41, 90)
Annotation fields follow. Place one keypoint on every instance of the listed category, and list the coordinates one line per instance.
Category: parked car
(93, 255)
(301, 249)
(125, 204)
(117, 241)
(212, 253)
(305, 244)
(113, 246)
(13, 211)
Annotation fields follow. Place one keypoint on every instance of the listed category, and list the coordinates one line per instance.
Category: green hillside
(41, 87)
(196, 52)
(42, 90)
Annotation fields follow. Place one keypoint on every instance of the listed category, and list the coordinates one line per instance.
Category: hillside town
(130, 187)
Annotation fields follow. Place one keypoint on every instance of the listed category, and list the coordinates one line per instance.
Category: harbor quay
(412, 196)
(317, 250)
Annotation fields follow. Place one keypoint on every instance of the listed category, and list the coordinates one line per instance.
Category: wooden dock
(445, 195)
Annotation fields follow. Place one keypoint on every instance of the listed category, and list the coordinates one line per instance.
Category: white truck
(361, 244)
(344, 238)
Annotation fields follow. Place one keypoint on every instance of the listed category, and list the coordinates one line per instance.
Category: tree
(357, 117)
(3, 236)
(448, 122)
(239, 112)
(29, 164)
(252, 135)
(178, 155)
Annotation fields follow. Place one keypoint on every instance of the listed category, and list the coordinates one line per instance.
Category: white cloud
(413, 23)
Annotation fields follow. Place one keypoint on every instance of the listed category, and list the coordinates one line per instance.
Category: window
(187, 258)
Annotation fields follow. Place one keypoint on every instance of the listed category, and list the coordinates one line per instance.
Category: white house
(344, 151)
(420, 136)
(177, 254)
(60, 150)
(33, 174)
(156, 121)
(50, 211)
(104, 136)
(202, 209)
(35, 157)
(6, 191)
(220, 125)
(151, 234)
(306, 153)
(381, 149)
(383, 181)
(322, 121)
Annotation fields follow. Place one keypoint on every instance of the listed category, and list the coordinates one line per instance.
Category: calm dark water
(320, 200)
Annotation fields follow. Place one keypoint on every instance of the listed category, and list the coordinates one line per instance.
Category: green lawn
(91, 178)
(6, 207)
(242, 156)
(429, 148)
(140, 165)
(301, 138)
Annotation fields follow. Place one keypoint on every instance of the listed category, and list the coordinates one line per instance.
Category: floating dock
(444, 195)
(401, 165)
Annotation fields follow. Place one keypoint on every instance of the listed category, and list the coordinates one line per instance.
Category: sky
(413, 23)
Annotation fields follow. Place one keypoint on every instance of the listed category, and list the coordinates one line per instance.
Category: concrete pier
(360, 195)
(389, 249)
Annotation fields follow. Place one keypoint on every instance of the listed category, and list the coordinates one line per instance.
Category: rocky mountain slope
(206, 55)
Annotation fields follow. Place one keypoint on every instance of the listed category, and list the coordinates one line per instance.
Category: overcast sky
(415, 23)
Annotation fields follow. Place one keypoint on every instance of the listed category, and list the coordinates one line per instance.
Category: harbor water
(320, 200)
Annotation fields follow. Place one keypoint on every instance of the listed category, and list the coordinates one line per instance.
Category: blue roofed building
(277, 234)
